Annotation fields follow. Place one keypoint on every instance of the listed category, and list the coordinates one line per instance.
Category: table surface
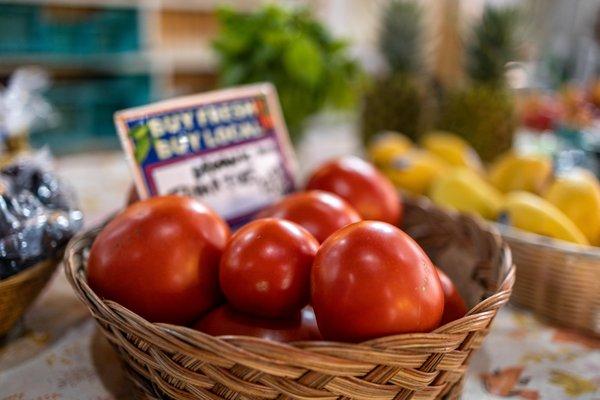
(60, 354)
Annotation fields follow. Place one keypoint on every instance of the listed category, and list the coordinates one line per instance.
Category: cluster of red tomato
(334, 248)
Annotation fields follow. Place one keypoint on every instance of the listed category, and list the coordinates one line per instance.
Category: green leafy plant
(310, 69)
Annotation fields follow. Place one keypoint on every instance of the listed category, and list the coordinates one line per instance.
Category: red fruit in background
(593, 93)
(454, 305)
(265, 268)
(362, 186)
(225, 320)
(370, 280)
(540, 112)
(320, 213)
(578, 112)
(159, 258)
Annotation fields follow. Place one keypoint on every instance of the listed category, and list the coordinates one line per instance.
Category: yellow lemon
(385, 147)
(415, 170)
(520, 172)
(464, 190)
(453, 149)
(577, 194)
(532, 213)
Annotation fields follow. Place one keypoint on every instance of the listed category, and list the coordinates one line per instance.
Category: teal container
(17, 29)
(86, 111)
(31, 29)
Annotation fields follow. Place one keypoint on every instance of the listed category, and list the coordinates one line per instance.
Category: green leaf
(262, 57)
(142, 149)
(225, 14)
(230, 43)
(139, 132)
(303, 61)
(337, 46)
(275, 39)
(234, 75)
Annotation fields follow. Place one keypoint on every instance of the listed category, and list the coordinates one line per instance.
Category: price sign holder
(228, 148)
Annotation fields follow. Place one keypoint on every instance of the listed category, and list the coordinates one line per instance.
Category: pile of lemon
(517, 189)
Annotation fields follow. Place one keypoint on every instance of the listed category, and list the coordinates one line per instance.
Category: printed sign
(229, 148)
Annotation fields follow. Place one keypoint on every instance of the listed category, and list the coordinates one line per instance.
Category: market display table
(58, 353)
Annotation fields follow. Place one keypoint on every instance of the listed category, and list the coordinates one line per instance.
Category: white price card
(228, 148)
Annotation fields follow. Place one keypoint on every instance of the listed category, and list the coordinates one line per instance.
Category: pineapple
(484, 111)
(397, 101)
(483, 115)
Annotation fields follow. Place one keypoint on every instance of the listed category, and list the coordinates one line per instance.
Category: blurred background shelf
(106, 55)
(122, 63)
(193, 60)
(168, 41)
(188, 5)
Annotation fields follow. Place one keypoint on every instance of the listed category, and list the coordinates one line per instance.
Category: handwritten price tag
(229, 148)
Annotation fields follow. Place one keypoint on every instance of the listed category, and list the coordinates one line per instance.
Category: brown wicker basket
(165, 361)
(19, 291)
(557, 280)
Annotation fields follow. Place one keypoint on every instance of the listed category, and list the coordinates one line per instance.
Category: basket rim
(30, 272)
(78, 281)
(546, 242)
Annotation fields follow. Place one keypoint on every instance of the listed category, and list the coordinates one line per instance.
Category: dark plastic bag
(38, 214)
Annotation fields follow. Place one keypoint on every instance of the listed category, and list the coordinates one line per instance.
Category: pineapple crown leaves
(400, 36)
(493, 45)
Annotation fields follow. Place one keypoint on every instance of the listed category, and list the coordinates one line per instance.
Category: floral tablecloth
(58, 353)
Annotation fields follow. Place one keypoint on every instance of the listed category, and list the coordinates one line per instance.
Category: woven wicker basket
(557, 280)
(166, 361)
(19, 291)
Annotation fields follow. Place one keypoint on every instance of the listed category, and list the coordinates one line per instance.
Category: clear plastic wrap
(22, 106)
(38, 214)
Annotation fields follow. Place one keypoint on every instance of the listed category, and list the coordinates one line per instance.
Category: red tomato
(361, 185)
(454, 305)
(265, 268)
(225, 320)
(318, 212)
(370, 280)
(160, 258)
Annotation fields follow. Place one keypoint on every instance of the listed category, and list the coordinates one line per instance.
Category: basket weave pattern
(559, 282)
(165, 361)
(19, 291)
